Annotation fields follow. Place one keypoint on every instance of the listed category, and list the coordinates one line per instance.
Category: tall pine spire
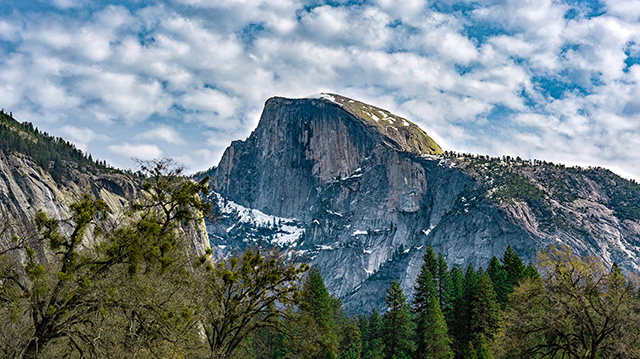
(397, 324)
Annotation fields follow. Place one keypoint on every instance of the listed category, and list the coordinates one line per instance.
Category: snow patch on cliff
(287, 231)
(324, 96)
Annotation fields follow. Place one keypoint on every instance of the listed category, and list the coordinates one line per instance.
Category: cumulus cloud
(557, 80)
(164, 133)
(141, 151)
(67, 4)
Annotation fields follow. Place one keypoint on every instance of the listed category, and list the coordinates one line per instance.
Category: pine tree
(455, 319)
(318, 303)
(425, 288)
(425, 293)
(485, 310)
(430, 261)
(350, 339)
(375, 345)
(363, 325)
(470, 352)
(531, 272)
(513, 266)
(470, 279)
(443, 278)
(483, 351)
(397, 323)
(498, 276)
(434, 342)
(431, 328)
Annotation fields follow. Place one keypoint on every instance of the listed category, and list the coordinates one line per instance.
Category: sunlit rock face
(360, 192)
(26, 189)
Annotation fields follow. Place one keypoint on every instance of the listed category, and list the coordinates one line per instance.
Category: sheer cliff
(360, 192)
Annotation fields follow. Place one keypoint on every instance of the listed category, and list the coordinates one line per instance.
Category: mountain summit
(397, 132)
(361, 192)
(301, 144)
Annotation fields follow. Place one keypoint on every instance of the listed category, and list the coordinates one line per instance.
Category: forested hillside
(49, 152)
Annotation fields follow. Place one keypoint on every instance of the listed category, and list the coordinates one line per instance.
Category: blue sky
(553, 80)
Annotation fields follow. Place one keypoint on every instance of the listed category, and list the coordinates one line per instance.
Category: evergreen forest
(54, 154)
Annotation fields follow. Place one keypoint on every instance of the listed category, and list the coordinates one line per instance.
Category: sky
(551, 80)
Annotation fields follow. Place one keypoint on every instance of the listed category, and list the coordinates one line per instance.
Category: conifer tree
(470, 352)
(425, 293)
(425, 288)
(531, 272)
(363, 325)
(456, 315)
(350, 340)
(397, 323)
(444, 287)
(498, 276)
(482, 351)
(318, 303)
(470, 279)
(434, 342)
(485, 310)
(513, 266)
(375, 345)
(430, 261)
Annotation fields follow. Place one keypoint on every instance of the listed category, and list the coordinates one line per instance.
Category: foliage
(112, 295)
(242, 295)
(350, 340)
(578, 310)
(128, 287)
(374, 346)
(316, 327)
(507, 178)
(398, 330)
(485, 315)
(498, 276)
(511, 186)
(432, 340)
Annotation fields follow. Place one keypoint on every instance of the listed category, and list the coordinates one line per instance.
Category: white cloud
(629, 10)
(164, 133)
(68, 4)
(9, 30)
(507, 76)
(141, 151)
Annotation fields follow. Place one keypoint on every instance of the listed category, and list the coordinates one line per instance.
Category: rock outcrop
(26, 188)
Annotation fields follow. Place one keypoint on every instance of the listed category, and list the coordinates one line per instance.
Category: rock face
(25, 189)
(303, 145)
(360, 193)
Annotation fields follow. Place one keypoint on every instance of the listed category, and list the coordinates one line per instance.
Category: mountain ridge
(368, 206)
